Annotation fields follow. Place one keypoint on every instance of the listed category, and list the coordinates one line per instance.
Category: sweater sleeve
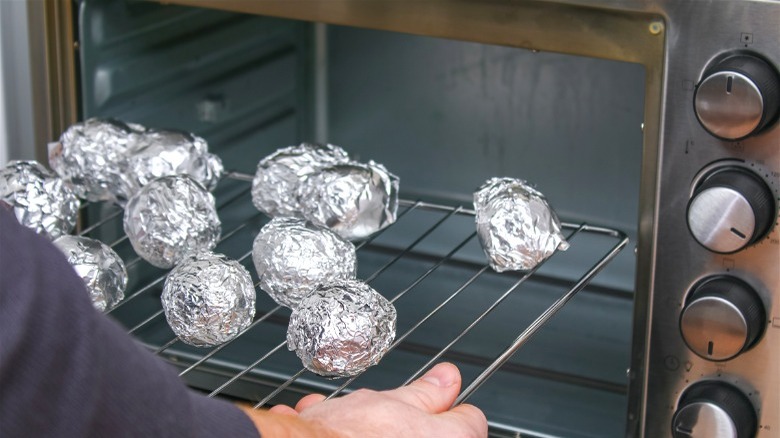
(68, 370)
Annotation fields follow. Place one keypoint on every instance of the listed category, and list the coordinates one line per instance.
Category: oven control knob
(730, 209)
(738, 97)
(723, 317)
(713, 409)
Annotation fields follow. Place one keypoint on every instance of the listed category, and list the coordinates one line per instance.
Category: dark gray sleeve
(67, 370)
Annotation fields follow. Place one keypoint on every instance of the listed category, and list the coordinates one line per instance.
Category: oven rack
(142, 314)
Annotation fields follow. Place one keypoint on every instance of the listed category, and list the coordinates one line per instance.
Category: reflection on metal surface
(724, 316)
(703, 420)
(721, 219)
(53, 60)
(732, 208)
(712, 409)
(714, 328)
(729, 105)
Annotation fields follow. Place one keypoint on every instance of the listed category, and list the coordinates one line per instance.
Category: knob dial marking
(731, 208)
(738, 97)
(722, 318)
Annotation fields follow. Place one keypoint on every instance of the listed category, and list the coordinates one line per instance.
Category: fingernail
(440, 376)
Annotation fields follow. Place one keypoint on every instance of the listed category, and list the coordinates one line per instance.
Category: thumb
(434, 392)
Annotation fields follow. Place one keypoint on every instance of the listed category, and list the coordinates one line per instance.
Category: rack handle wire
(538, 323)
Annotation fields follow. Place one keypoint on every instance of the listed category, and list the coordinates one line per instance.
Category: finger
(466, 421)
(311, 399)
(434, 392)
(284, 410)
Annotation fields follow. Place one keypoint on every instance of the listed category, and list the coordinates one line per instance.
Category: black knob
(723, 317)
(714, 409)
(738, 97)
(731, 208)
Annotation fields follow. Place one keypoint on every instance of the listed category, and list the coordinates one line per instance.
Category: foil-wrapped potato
(208, 299)
(275, 185)
(341, 328)
(109, 160)
(92, 157)
(41, 201)
(102, 270)
(171, 217)
(354, 200)
(157, 153)
(293, 257)
(516, 225)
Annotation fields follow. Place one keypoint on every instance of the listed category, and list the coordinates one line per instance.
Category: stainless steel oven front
(667, 109)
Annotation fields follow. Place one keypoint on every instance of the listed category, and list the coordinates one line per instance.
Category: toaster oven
(649, 122)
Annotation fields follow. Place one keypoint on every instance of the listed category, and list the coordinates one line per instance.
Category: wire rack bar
(406, 250)
(247, 369)
(100, 222)
(481, 316)
(534, 327)
(218, 349)
(411, 207)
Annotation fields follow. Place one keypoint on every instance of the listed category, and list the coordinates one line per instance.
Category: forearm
(274, 425)
(67, 370)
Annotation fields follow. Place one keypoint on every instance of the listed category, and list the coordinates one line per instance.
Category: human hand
(419, 409)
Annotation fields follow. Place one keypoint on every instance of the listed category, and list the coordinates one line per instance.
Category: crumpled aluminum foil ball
(208, 299)
(354, 200)
(293, 257)
(158, 153)
(40, 200)
(102, 270)
(279, 174)
(341, 329)
(92, 157)
(169, 218)
(516, 226)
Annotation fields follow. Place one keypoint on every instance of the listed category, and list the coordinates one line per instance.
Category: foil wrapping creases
(293, 257)
(92, 157)
(109, 160)
(516, 225)
(157, 153)
(274, 187)
(101, 269)
(342, 328)
(208, 299)
(40, 200)
(169, 218)
(354, 200)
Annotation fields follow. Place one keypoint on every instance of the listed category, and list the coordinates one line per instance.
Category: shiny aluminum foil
(158, 153)
(341, 329)
(516, 226)
(208, 299)
(92, 156)
(279, 174)
(41, 201)
(293, 257)
(354, 200)
(169, 218)
(99, 266)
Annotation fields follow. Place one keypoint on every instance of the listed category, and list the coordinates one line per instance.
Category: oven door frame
(609, 31)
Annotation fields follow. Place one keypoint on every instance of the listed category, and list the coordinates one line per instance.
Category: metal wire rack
(428, 242)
